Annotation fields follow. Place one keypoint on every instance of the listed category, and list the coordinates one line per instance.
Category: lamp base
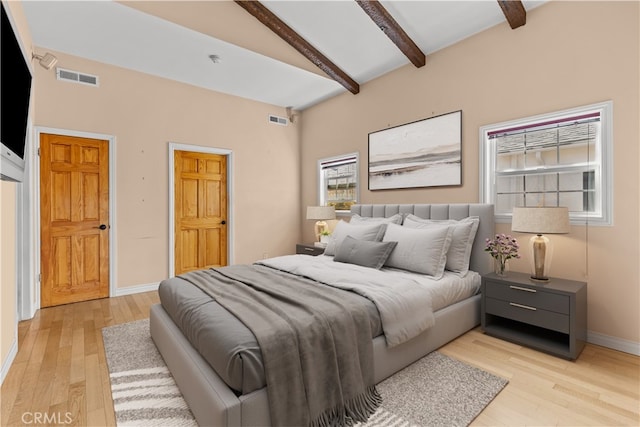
(541, 252)
(319, 228)
(539, 279)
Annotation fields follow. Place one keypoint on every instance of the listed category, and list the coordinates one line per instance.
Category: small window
(338, 178)
(558, 159)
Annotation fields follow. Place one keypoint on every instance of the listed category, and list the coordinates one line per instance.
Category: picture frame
(424, 153)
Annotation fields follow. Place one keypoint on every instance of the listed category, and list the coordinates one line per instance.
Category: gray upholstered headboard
(480, 260)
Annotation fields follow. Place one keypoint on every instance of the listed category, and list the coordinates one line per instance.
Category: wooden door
(200, 210)
(74, 217)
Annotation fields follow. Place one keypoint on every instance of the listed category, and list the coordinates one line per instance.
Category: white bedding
(406, 301)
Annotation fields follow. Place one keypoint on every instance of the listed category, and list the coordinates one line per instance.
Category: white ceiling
(116, 34)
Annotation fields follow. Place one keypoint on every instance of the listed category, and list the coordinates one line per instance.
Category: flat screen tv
(15, 95)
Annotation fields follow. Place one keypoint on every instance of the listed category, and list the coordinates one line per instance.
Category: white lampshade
(321, 212)
(541, 220)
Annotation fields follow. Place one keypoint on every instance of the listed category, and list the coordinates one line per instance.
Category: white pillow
(357, 219)
(464, 233)
(372, 232)
(419, 250)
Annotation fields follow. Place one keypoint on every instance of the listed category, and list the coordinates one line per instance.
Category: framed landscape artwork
(425, 153)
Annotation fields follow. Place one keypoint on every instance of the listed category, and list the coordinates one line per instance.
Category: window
(338, 178)
(557, 159)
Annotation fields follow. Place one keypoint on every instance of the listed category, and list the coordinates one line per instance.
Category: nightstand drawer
(527, 313)
(528, 295)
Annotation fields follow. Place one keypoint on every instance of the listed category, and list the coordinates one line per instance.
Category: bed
(235, 394)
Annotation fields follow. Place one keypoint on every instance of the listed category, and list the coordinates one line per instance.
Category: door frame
(173, 147)
(29, 294)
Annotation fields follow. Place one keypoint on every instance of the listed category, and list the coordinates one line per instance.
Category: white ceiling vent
(76, 77)
(278, 120)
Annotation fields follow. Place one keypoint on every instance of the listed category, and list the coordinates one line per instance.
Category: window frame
(488, 161)
(336, 159)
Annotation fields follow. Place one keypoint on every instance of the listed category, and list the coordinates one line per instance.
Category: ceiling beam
(393, 30)
(275, 24)
(514, 12)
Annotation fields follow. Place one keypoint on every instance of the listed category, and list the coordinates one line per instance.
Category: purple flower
(502, 247)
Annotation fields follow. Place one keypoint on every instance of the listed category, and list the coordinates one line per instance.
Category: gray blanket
(404, 304)
(315, 342)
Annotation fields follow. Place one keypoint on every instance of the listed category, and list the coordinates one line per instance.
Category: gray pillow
(364, 252)
(372, 232)
(464, 233)
(419, 250)
(357, 219)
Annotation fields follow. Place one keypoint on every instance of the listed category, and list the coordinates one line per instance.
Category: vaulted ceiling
(287, 53)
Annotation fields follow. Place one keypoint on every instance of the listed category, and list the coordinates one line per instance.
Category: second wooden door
(200, 210)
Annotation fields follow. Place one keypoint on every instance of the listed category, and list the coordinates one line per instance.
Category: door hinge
(40, 277)
(38, 151)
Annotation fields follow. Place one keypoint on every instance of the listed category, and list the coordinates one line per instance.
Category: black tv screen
(15, 89)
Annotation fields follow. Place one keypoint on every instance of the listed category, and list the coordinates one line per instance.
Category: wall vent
(278, 120)
(76, 77)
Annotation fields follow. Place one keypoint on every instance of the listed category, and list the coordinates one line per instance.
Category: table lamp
(320, 214)
(539, 221)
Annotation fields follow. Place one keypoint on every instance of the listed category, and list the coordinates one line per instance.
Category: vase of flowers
(502, 248)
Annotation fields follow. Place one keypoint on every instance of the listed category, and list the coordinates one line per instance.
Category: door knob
(102, 227)
(223, 222)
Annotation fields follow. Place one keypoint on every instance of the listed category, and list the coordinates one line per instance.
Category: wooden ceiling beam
(275, 24)
(514, 12)
(393, 30)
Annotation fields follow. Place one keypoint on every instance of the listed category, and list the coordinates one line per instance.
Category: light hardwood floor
(61, 371)
(600, 388)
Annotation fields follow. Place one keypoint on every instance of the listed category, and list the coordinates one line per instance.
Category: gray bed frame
(213, 403)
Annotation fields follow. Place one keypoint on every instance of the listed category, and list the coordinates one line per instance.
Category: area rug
(437, 390)
(143, 390)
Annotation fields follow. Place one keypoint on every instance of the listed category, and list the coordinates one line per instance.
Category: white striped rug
(384, 418)
(143, 390)
(434, 391)
(149, 397)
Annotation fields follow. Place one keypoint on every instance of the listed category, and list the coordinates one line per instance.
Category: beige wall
(145, 113)
(567, 55)
(8, 325)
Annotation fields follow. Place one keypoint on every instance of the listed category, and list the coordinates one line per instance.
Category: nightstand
(548, 316)
(309, 249)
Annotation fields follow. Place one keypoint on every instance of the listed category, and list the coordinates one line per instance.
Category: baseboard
(137, 289)
(6, 364)
(614, 343)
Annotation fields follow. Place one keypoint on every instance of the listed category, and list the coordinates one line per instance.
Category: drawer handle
(522, 306)
(309, 249)
(519, 288)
